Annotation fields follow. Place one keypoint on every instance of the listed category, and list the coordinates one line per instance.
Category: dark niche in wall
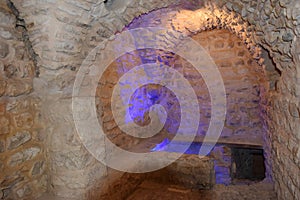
(247, 163)
(272, 72)
(116, 4)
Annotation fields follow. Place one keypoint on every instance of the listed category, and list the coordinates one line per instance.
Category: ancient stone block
(23, 156)
(24, 120)
(17, 87)
(24, 191)
(18, 139)
(11, 179)
(6, 19)
(189, 171)
(5, 34)
(2, 87)
(4, 49)
(2, 108)
(37, 168)
(10, 70)
(294, 110)
(4, 125)
(73, 159)
(219, 44)
(2, 146)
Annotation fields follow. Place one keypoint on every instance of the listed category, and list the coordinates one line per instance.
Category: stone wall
(281, 111)
(266, 20)
(62, 33)
(22, 160)
(237, 67)
(242, 84)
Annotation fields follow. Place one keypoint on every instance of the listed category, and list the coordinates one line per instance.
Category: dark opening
(247, 163)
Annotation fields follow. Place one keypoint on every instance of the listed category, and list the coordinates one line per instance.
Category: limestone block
(23, 156)
(189, 171)
(18, 139)
(4, 125)
(294, 110)
(6, 19)
(24, 191)
(5, 34)
(4, 49)
(2, 146)
(38, 168)
(24, 120)
(72, 160)
(2, 87)
(17, 87)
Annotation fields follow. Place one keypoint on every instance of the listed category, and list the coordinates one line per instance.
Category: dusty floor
(155, 191)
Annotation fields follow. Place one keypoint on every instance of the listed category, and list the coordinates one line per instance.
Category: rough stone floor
(155, 191)
(150, 190)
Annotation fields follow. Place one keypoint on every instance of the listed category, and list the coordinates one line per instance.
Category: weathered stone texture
(243, 122)
(62, 33)
(190, 171)
(21, 147)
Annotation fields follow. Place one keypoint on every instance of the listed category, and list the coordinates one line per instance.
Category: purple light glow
(222, 171)
(148, 95)
(161, 146)
(178, 147)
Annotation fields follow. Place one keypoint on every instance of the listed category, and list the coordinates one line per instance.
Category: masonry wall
(62, 33)
(243, 79)
(242, 84)
(22, 155)
(238, 70)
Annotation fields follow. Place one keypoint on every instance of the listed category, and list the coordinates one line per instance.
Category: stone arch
(206, 18)
(266, 20)
(252, 36)
(263, 21)
(231, 22)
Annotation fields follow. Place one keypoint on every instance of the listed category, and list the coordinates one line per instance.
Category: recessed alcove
(248, 163)
(243, 80)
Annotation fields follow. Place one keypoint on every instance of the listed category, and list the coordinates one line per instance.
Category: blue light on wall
(148, 95)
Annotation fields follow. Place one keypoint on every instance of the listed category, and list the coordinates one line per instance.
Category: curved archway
(203, 20)
(275, 27)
